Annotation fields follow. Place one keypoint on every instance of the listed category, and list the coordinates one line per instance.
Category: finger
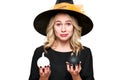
(79, 67)
(41, 71)
(68, 66)
(76, 67)
(71, 67)
(47, 69)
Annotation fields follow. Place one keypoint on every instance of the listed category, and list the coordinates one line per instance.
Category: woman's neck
(63, 46)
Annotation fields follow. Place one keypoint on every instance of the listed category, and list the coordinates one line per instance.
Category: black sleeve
(87, 67)
(34, 73)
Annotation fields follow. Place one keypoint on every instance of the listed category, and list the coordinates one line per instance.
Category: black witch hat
(67, 6)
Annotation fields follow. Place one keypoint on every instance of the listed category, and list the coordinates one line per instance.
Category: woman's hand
(74, 71)
(44, 73)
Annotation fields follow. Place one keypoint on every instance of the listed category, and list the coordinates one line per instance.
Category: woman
(63, 32)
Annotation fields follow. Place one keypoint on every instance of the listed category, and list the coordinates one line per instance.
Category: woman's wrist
(43, 79)
(77, 77)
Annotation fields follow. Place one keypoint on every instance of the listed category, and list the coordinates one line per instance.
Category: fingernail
(40, 66)
(71, 64)
(48, 66)
(67, 63)
(80, 62)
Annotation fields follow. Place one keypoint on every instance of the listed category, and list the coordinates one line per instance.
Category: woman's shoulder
(39, 50)
(86, 50)
(85, 53)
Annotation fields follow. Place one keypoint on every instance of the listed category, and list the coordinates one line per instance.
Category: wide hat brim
(42, 20)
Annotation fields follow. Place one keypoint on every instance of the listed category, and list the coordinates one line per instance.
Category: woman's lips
(63, 35)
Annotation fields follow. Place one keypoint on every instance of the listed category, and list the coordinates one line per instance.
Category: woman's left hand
(74, 71)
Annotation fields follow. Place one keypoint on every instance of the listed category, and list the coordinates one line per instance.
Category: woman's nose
(63, 29)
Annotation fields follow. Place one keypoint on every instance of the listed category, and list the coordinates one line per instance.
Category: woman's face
(63, 27)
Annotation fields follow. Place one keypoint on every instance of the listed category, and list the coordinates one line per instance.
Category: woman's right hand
(44, 73)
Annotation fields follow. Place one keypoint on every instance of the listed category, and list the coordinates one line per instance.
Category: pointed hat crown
(68, 1)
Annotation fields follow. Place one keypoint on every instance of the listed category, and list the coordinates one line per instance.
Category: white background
(18, 38)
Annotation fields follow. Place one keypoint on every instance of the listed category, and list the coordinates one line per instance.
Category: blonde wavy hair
(74, 40)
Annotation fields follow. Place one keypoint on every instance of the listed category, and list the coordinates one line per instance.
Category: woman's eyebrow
(68, 21)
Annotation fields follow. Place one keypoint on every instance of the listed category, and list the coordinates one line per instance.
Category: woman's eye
(69, 24)
(58, 24)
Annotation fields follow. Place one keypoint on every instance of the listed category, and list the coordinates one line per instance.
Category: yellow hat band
(68, 6)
